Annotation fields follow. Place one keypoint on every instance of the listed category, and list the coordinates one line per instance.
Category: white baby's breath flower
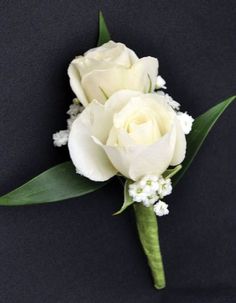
(160, 83)
(75, 109)
(76, 101)
(186, 122)
(149, 184)
(169, 100)
(161, 209)
(149, 189)
(136, 192)
(160, 93)
(145, 190)
(174, 104)
(165, 187)
(150, 200)
(60, 138)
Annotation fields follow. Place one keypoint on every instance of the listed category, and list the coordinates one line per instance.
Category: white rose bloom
(132, 133)
(108, 68)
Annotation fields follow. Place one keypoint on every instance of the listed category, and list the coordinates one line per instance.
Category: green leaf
(169, 173)
(57, 183)
(147, 226)
(104, 35)
(127, 199)
(201, 127)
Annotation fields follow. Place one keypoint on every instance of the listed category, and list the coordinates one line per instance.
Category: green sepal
(170, 172)
(127, 199)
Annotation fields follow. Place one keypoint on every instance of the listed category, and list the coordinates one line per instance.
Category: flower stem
(148, 234)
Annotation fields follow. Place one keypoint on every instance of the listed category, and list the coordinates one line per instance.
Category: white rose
(108, 68)
(134, 134)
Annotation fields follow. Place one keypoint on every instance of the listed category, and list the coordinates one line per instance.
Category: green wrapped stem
(146, 221)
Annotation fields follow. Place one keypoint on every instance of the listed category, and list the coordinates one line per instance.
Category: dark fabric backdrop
(75, 251)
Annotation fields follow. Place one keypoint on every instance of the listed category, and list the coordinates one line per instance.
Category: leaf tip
(100, 15)
(116, 213)
(104, 35)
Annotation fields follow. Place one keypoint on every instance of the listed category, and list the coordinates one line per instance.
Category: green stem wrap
(146, 221)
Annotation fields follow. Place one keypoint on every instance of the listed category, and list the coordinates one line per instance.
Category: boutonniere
(122, 123)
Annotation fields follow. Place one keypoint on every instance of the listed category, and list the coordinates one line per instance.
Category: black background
(75, 251)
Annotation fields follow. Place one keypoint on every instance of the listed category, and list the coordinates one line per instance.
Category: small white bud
(160, 83)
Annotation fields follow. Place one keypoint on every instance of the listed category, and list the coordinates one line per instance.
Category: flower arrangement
(122, 124)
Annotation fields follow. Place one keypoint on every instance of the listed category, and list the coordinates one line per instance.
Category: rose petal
(135, 161)
(116, 53)
(100, 84)
(88, 157)
(143, 75)
(119, 99)
(180, 145)
(155, 159)
(76, 84)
